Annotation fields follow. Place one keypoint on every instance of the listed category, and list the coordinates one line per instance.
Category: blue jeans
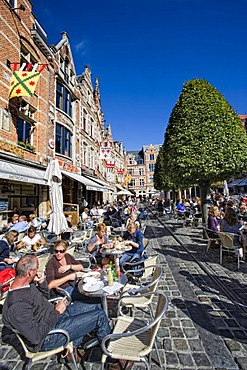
(78, 320)
(129, 257)
(5, 266)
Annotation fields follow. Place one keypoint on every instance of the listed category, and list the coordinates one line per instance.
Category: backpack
(6, 275)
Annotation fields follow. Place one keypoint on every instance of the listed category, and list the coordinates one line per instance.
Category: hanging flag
(110, 164)
(24, 81)
(105, 152)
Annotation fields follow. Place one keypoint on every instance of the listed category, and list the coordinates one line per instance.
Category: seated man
(180, 208)
(27, 310)
(21, 225)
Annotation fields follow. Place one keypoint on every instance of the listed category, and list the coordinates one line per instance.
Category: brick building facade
(63, 119)
(141, 166)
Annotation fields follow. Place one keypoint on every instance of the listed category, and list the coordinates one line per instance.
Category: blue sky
(143, 51)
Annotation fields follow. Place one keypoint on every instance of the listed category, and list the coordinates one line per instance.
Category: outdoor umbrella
(124, 192)
(53, 175)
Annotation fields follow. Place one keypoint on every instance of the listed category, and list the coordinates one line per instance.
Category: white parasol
(124, 192)
(53, 176)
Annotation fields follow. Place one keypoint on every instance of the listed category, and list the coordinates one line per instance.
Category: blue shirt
(180, 207)
(137, 238)
(20, 226)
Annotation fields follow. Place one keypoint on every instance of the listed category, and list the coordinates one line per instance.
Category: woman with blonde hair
(96, 242)
(61, 270)
(132, 237)
(213, 222)
(5, 246)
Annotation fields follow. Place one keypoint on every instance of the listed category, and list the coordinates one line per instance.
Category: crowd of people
(27, 309)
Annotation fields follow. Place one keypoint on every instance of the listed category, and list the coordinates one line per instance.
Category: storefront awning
(90, 185)
(243, 182)
(17, 172)
(103, 183)
(235, 183)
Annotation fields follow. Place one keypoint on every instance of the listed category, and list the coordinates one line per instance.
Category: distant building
(243, 119)
(141, 166)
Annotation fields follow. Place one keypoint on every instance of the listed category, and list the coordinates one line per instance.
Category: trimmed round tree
(204, 140)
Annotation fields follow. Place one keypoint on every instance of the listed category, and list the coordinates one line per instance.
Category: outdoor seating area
(95, 284)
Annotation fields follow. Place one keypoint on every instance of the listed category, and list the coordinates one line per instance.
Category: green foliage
(204, 141)
(26, 146)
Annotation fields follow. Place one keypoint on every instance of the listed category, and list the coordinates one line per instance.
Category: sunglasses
(60, 251)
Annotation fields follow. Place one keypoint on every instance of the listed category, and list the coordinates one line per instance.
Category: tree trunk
(204, 191)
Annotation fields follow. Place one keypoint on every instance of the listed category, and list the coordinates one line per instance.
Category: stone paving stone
(186, 360)
(183, 342)
(201, 359)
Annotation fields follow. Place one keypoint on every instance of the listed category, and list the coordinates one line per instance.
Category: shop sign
(51, 143)
(11, 148)
(67, 166)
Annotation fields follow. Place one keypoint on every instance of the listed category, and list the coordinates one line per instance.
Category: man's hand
(9, 261)
(40, 277)
(61, 306)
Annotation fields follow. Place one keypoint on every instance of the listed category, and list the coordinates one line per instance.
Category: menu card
(113, 288)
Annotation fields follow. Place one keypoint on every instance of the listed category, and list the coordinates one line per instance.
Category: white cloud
(81, 47)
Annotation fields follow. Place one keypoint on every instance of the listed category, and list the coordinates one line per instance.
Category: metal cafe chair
(33, 357)
(142, 302)
(133, 339)
(228, 245)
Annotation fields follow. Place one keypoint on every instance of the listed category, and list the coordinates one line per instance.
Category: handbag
(5, 276)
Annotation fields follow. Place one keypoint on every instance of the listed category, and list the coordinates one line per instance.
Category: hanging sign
(105, 149)
(51, 143)
(110, 164)
(120, 171)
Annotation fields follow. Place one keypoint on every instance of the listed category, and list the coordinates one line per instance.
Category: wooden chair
(133, 339)
(228, 245)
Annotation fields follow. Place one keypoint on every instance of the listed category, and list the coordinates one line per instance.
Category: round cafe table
(102, 293)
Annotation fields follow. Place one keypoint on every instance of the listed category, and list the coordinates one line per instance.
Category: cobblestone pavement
(202, 329)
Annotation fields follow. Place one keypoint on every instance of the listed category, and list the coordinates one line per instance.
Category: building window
(131, 171)
(27, 57)
(142, 182)
(5, 120)
(84, 154)
(151, 167)
(63, 99)
(151, 157)
(151, 178)
(63, 140)
(141, 171)
(24, 131)
(84, 120)
(91, 158)
(132, 183)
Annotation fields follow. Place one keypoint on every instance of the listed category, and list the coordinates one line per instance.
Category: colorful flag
(105, 152)
(110, 164)
(23, 83)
